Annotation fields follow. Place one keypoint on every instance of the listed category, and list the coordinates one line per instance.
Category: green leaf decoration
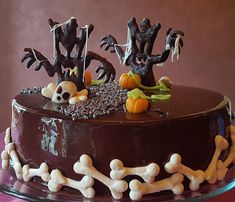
(160, 97)
(160, 87)
(97, 82)
(136, 93)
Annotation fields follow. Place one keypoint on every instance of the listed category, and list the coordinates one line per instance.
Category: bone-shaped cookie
(4, 155)
(195, 177)
(42, 171)
(49, 90)
(221, 170)
(231, 156)
(85, 167)
(80, 96)
(5, 159)
(7, 138)
(148, 173)
(15, 160)
(220, 144)
(57, 181)
(173, 183)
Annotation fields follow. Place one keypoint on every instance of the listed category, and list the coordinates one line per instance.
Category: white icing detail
(229, 109)
(175, 50)
(221, 144)
(148, 173)
(49, 90)
(231, 156)
(17, 107)
(57, 181)
(15, 160)
(195, 177)
(128, 46)
(160, 64)
(85, 166)
(42, 171)
(53, 32)
(168, 47)
(173, 183)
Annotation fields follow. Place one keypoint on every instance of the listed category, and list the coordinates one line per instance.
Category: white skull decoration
(64, 91)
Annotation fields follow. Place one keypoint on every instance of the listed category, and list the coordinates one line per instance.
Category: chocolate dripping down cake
(129, 138)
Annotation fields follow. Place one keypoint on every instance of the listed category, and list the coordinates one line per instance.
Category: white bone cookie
(220, 144)
(42, 171)
(49, 90)
(85, 167)
(173, 183)
(231, 156)
(15, 160)
(148, 173)
(4, 155)
(80, 96)
(195, 177)
(57, 181)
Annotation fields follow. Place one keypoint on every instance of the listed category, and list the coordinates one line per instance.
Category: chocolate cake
(87, 137)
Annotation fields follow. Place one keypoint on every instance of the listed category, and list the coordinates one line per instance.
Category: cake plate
(32, 191)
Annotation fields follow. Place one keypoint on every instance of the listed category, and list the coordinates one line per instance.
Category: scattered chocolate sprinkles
(104, 99)
(29, 91)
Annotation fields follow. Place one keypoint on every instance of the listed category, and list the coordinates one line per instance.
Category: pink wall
(207, 60)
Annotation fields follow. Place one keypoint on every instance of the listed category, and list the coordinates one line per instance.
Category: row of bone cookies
(216, 171)
(56, 180)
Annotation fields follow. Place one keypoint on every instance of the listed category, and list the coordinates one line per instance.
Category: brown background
(207, 60)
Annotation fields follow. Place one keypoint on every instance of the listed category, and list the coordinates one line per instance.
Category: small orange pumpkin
(136, 105)
(126, 82)
(88, 78)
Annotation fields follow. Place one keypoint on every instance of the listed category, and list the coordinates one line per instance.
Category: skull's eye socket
(58, 98)
(59, 90)
(66, 95)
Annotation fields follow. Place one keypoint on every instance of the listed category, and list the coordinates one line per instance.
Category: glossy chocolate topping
(185, 102)
(194, 117)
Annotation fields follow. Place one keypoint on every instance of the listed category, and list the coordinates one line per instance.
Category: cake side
(195, 117)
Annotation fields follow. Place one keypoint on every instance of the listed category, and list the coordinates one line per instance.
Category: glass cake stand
(32, 191)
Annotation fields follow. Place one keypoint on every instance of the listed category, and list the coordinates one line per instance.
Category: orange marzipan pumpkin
(136, 105)
(126, 82)
(88, 78)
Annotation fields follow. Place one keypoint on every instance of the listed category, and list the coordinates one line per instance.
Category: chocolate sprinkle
(104, 99)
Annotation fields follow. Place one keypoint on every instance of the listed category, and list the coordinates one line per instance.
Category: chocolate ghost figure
(140, 43)
(67, 36)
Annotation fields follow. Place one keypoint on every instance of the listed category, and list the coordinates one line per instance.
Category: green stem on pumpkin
(96, 82)
(161, 86)
(137, 93)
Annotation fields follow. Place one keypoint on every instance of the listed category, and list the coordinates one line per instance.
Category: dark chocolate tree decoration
(138, 54)
(67, 36)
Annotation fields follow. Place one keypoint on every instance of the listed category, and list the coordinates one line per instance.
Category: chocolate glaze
(195, 116)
